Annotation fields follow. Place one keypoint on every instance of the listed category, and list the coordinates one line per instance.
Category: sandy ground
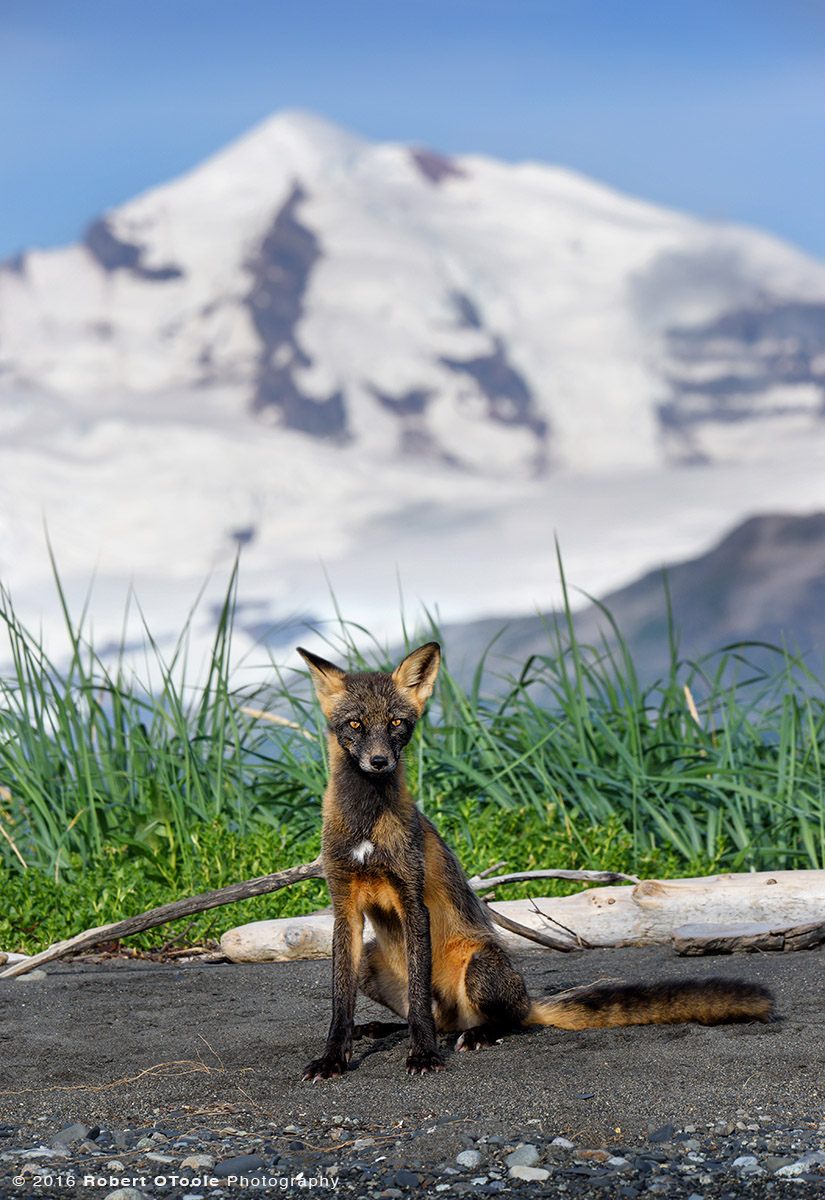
(127, 1043)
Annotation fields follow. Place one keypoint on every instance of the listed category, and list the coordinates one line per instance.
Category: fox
(436, 960)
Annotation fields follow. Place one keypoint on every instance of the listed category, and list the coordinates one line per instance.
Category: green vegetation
(117, 794)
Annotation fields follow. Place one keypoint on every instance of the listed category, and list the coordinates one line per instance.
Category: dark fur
(436, 960)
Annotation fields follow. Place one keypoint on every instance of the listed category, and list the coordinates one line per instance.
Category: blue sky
(714, 106)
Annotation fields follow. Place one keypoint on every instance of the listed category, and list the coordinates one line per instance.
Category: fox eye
(355, 724)
(395, 722)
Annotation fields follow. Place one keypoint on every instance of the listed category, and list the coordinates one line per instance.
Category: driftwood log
(300, 943)
(647, 913)
(732, 939)
(790, 903)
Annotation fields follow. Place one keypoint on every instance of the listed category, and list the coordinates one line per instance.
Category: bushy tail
(711, 1001)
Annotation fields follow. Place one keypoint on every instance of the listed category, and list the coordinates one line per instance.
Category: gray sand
(89, 1043)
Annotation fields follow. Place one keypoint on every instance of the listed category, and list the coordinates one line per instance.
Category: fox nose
(379, 761)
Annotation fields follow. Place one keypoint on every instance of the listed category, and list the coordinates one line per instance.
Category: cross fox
(436, 960)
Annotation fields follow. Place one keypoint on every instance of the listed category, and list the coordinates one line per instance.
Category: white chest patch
(362, 852)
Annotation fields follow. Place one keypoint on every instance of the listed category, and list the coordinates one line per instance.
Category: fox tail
(711, 1001)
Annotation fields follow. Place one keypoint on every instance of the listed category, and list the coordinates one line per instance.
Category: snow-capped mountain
(473, 312)
(383, 360)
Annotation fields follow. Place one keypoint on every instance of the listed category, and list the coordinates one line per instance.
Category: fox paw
(477, 1039)
(328, 1066)
(421, 1062)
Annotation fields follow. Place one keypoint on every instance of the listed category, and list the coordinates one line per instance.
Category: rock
(617, 1161)
(525, 1155)
(520, 1171)
(36, 976)
(562, 1143)
(774, 1161)
(70, 1134)
(198, 1162)
(127, 1193)
(144, 1143)
(236, 1166)
(160, 1158)
(405, 1179)
(361, 1142)
(663, 1134)
(114, 1164)
(468, 1158)
(801, 1166)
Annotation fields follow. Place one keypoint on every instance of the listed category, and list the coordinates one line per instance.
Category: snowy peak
(459, 310)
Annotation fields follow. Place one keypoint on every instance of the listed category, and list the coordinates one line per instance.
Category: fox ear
(327, 679)
(416, 674)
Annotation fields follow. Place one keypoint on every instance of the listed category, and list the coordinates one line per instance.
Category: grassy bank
(116, 795)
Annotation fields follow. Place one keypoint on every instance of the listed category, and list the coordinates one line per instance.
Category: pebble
(126, 1193)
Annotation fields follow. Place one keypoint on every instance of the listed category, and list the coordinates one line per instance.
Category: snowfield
(369, 365)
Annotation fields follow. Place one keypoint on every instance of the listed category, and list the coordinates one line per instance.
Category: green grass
(117, 793)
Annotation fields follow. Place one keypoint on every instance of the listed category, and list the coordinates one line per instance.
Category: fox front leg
(424, 1055)
(347, 940)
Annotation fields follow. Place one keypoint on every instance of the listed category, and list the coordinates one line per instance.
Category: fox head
(371, 713)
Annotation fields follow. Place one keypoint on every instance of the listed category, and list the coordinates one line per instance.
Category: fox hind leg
(496, 991)
(378, 980)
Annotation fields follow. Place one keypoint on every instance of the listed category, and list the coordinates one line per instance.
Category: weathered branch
(483, 881)
(532, 935)
(170, 912)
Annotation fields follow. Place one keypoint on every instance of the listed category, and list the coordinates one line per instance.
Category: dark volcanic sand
(87, 1044)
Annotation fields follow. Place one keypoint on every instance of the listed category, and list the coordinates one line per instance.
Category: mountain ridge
(761, 585)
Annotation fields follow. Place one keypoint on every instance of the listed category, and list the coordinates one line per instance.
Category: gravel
(724, 1166)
